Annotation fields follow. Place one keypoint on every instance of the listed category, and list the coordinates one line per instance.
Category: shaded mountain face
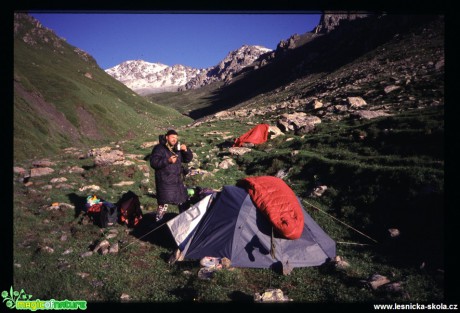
(360, 57)
(329, 21)
(147, 78)
(62, 97)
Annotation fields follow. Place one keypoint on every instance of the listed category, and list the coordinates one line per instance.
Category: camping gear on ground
(130, 209)
(228, 224)
(257, 135)
(209, 261)
(212, 264)
(102, 213)
(94, 207)
(91, 200)
(206, 273)
(108, 214)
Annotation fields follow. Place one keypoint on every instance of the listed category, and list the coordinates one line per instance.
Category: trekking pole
(340, 221)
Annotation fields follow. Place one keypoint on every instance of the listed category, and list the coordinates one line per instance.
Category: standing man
(167, 159)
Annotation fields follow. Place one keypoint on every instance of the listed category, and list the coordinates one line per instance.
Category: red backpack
(130, 209)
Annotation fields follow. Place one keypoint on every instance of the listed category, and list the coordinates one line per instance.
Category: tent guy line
(316, 208)
(139, 239)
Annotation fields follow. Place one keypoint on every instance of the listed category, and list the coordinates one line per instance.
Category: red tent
(257, 135)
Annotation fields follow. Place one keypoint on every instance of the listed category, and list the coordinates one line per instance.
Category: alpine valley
(356, 112)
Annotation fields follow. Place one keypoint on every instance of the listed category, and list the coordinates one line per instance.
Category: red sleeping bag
(257, 135)
(274, 198)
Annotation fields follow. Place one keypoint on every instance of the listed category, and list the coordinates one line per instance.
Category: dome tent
(256, 135)
(228, 224)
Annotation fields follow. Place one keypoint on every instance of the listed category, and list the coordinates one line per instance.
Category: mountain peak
(145, 77)
(330, 21)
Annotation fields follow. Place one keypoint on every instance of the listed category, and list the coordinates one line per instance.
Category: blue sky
(196, 40)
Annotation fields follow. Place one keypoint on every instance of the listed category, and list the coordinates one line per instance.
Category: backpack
(101, 212)
(162, 139)
(108, 214)
(130, 209)
(93, 211)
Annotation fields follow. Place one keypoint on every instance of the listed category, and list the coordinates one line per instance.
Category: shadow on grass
(240, 296)
(78, 201)
(225, 145)
(89, 167)
(156, 233)
(185, 293)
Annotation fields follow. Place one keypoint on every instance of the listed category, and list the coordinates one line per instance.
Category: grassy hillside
(62, 97)
(373, 185)
(188, 100)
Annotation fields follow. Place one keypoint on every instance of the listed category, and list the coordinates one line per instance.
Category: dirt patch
(88, 124)
(57, 119)
(140, 264)
(106, 171)
(129, 171)
(130, 135)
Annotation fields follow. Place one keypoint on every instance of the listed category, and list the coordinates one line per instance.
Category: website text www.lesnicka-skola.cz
(416, 306)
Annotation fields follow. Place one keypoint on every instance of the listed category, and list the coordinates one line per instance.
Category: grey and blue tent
(228, 224)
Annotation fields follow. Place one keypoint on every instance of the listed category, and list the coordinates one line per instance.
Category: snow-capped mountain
(145, 77)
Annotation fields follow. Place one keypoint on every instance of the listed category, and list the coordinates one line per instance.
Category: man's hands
(172, 159)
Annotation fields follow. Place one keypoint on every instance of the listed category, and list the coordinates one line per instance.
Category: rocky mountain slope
(403, 72)
(360, 58)
(233, 63)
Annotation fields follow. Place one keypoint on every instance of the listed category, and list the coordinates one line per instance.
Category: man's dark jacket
(168, 176)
